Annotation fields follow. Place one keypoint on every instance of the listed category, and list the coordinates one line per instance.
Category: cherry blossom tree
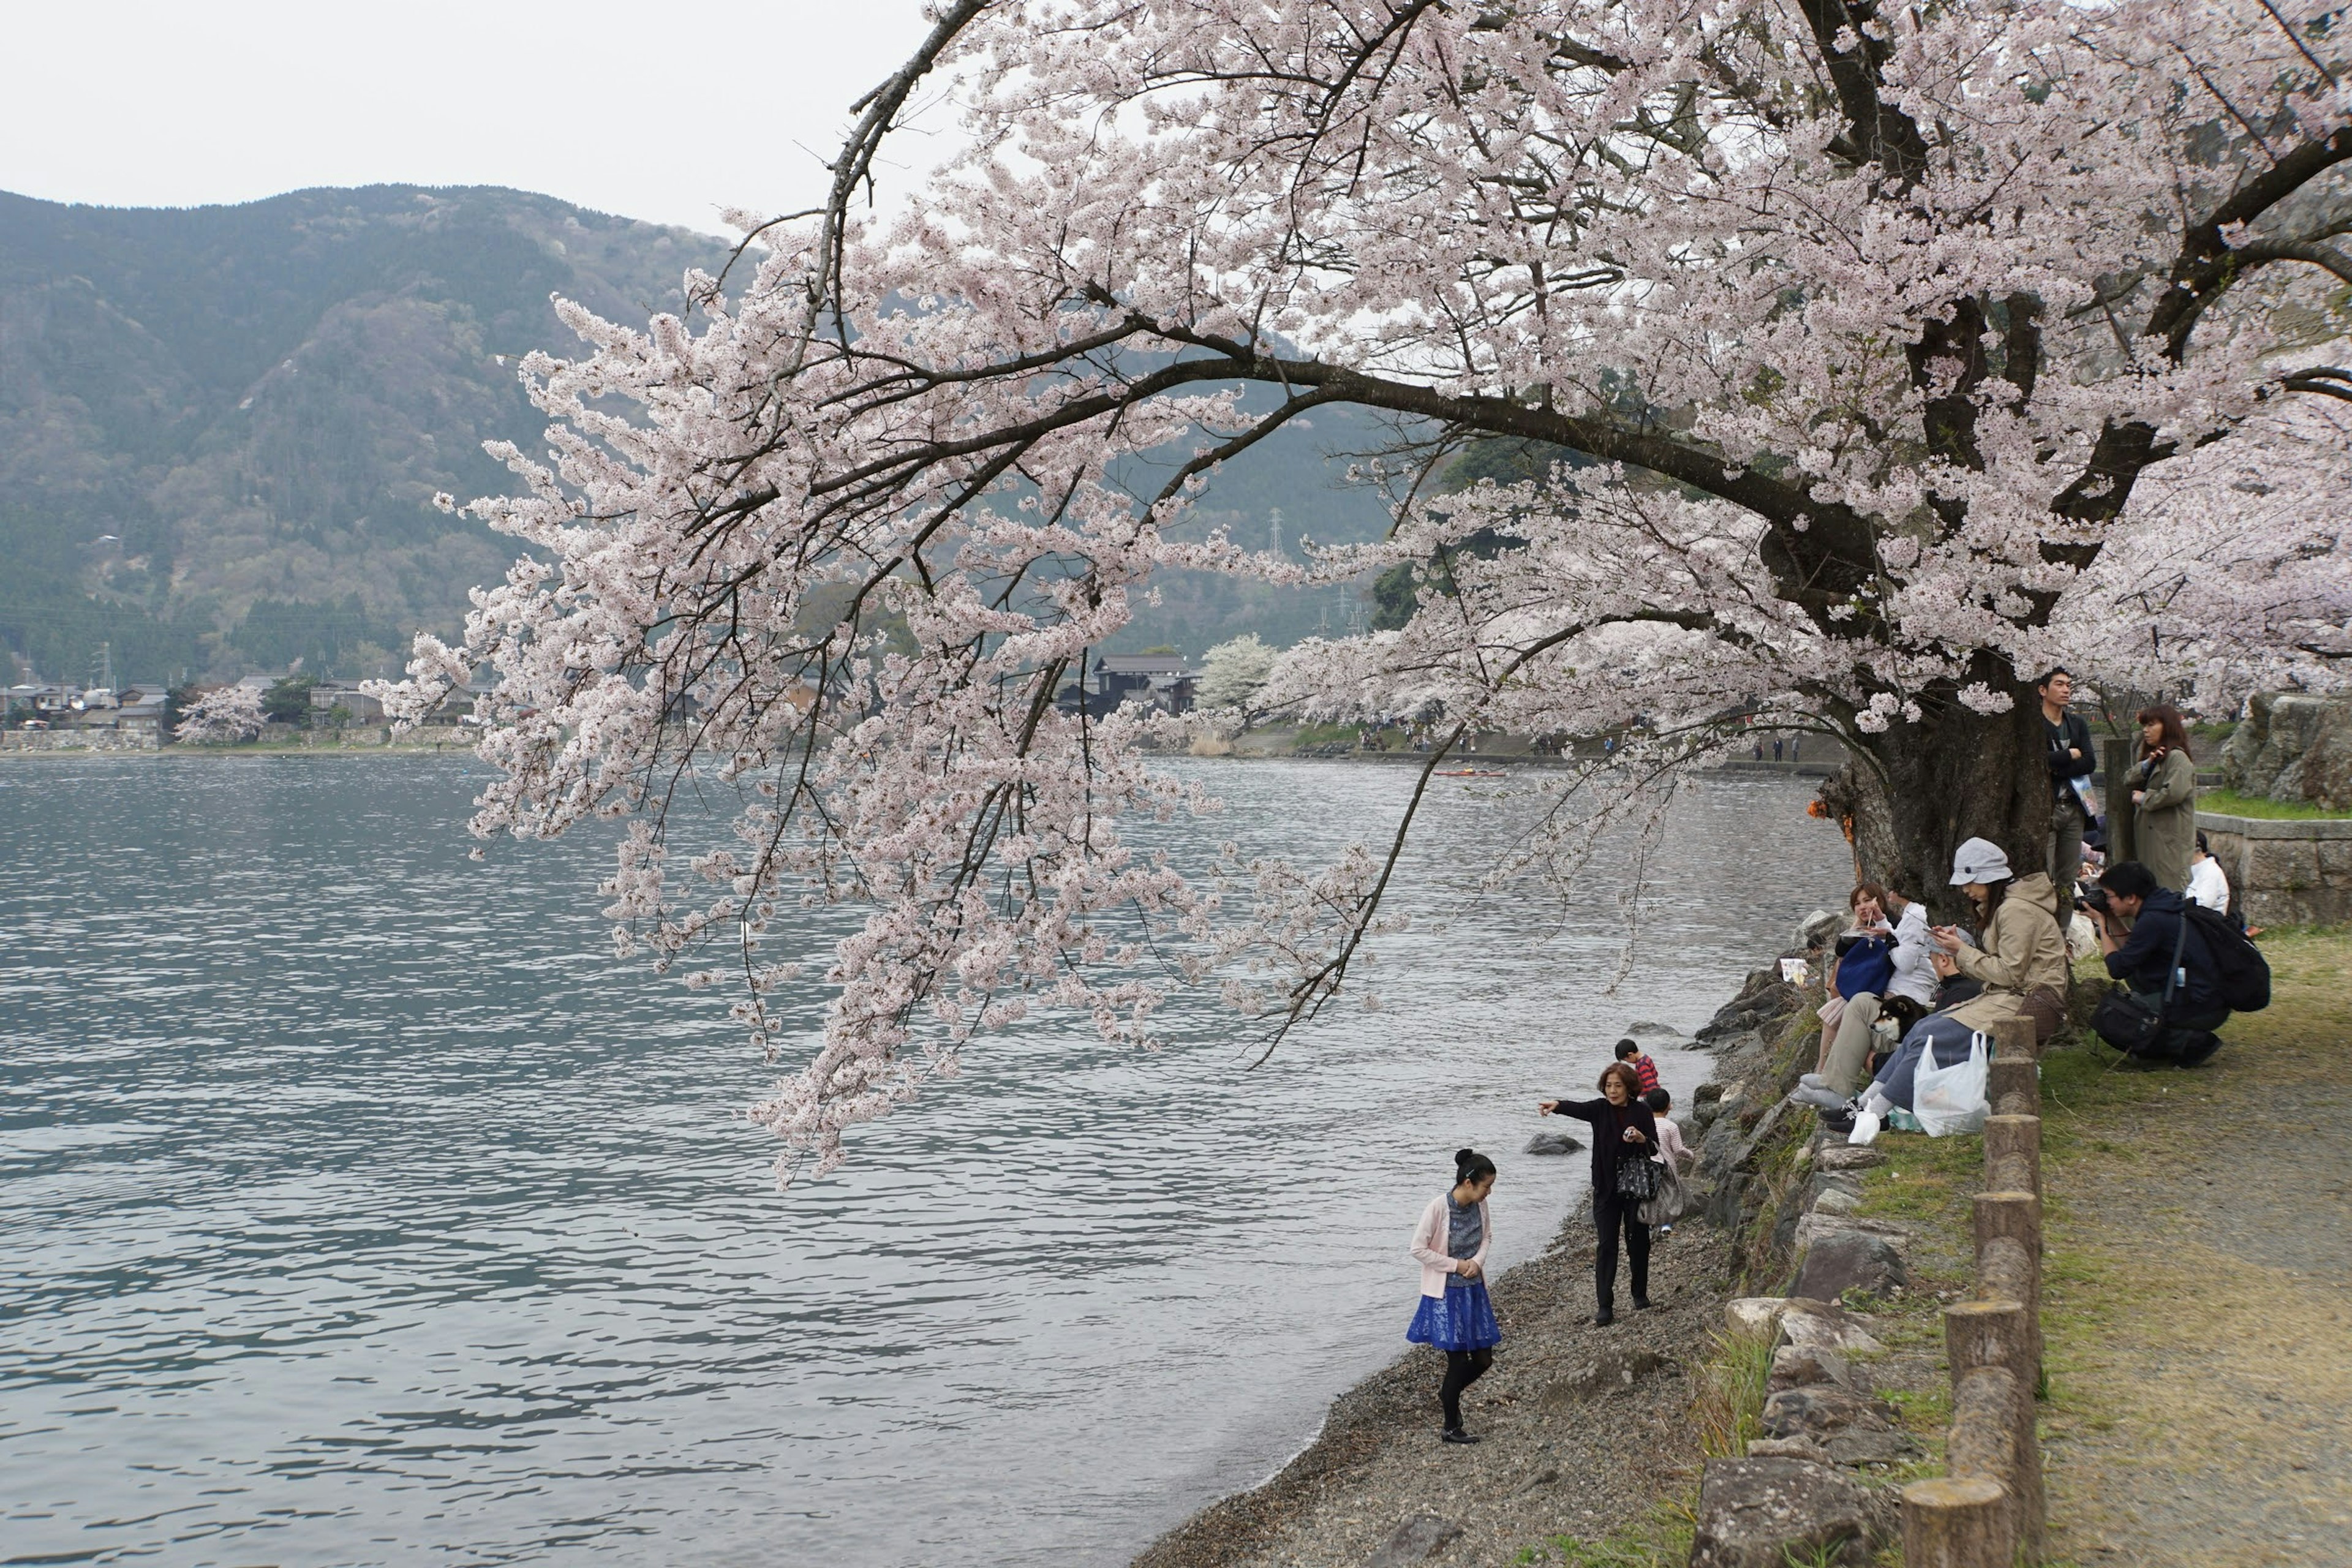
(1233, 673)
(1898, 353)
(223, 716)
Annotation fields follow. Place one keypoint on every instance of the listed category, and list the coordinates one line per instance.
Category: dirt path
(2199, 1297)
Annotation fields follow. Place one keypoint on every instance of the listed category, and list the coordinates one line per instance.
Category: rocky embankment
(1753, 1367)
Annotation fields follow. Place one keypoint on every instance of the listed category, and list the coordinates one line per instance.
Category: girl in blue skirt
(1450, 1245)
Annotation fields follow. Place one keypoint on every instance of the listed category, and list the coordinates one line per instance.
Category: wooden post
(2013, 1146)
(2013, 1039)
(2015, 1086)
(1985, 1333)
(1957, 1523)
(2003, 1335)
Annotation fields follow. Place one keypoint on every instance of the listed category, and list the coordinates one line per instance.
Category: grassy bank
(2229, 803)
(2195, 1270)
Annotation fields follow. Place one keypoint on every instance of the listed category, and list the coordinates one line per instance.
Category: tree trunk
(1916, 791)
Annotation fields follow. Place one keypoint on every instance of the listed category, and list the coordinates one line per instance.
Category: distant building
(1162, 680)
(362, 709)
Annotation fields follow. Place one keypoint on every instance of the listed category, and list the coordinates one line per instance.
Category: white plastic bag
(1952, 1099)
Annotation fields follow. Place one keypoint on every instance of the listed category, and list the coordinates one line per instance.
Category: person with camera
(2163, 961)
(2071, 758)
(2164, 796)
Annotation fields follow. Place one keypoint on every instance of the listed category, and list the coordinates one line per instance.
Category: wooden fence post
(2012, 1147)
(1957, 1523)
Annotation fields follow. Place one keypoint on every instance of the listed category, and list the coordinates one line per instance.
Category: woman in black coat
(1623, 1128)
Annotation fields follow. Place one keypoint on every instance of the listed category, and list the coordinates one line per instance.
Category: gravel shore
(1583, 1428)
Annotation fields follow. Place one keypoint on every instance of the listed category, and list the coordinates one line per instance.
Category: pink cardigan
(1429, 1245)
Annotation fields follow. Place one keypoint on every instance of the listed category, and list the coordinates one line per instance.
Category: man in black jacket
(2144, 961)
(2071, 758)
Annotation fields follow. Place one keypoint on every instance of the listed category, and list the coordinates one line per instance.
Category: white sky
(667, 112)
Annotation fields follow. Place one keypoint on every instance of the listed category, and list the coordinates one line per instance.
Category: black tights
(1609, 1213)
(1462, 1368)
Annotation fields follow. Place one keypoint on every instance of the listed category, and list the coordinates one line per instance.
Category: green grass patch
(1312, 736)
(2230, 803)
(1660, 1540)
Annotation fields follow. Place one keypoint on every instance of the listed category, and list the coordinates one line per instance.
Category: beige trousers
(1850, 1046)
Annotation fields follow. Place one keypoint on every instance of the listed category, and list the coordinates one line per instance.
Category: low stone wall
(78, 740)
(2283, 872)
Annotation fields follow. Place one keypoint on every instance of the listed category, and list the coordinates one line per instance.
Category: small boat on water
(1469, 774)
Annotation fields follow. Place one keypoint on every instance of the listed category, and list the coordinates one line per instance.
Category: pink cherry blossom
(1902, 352)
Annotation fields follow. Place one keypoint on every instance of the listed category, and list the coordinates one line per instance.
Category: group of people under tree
(1637, 1153)
(1900, 995)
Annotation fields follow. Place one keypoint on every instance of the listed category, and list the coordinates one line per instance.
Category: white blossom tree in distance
(223, 716)
(1893, 353)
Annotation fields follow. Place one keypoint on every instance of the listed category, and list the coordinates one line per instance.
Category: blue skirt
(1461, 1320)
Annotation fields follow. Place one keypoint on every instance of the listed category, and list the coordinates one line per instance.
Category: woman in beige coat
(2164, 797)
(2022, 963)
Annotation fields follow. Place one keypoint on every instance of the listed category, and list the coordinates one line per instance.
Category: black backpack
(2241, 976)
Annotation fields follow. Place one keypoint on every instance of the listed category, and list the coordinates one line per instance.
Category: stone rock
(1707, 1093)
(1849, 1261)
(1417, 1540)
(1836, 1201)
(1765, 1513)
(1849, 1157)
(1719, 1148)
(1638, 1030)
(1760, 1135)
(1763, 998)
(1802, 1366)
(1539, 1480)
(1754, 1315)
(1821, 1409)
(1816, 1227)
(1786, 1449)
(1856, 1447)
(1553, 1143)
(1819, 1325)
(1612, 1371)
(1816, 929)
(2293, 747)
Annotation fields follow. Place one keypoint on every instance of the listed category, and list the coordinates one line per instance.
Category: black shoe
(1604, 1318)
(1640, 1304)
(2199, 1053)
(1455, 1435)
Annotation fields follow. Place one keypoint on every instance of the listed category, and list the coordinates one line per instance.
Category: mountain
(221, 427)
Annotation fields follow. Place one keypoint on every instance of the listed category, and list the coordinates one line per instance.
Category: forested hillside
(221, 427)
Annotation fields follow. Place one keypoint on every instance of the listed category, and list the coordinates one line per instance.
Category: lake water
(357, 1207)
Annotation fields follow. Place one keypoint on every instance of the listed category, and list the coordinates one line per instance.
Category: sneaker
(1821, 1098)
(1640, 1304)
(1813, 1080)
(1604, 1318)
(1456, 1434)
(1836, 1122)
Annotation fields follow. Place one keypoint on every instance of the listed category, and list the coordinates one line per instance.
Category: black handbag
(1637, 1177)
(2128, 1024)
